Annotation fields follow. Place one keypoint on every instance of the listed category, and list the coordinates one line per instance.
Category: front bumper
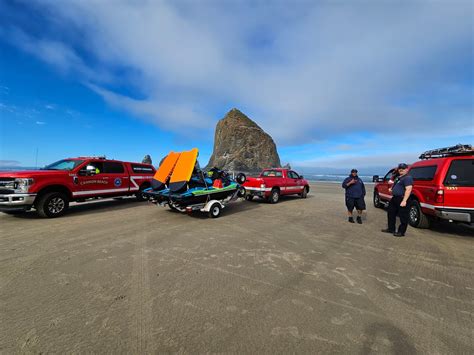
(12, 202)
(466, 216)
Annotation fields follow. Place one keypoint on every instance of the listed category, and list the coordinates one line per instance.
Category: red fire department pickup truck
(273, 183)
(443, 187)
(50, 189)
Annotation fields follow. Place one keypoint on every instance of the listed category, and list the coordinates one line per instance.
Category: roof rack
(460, 149)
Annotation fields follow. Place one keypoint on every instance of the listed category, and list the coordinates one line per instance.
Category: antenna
(36, 159)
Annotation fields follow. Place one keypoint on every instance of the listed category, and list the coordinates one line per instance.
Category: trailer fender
(207, 206)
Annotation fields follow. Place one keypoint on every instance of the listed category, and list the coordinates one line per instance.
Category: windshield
(64, 165)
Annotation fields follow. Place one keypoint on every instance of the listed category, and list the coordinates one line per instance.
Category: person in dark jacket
(355, 193)
(401, 192)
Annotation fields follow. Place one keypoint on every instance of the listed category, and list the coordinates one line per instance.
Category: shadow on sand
(229, 210)
(85, 208)
(399, 342)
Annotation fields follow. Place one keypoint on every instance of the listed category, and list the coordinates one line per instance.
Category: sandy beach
(118, 276)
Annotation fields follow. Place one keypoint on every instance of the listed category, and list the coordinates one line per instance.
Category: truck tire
(52, 204)
(377, 202)
(416, 217)
(274, 196)
(249, 197)
(304, 194)
(215, 210)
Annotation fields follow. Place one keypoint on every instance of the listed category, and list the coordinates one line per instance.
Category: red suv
(443, 187)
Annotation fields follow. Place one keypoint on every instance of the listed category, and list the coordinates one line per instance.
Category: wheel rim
(414, 215)
(215, 211)
(56, 205)
(275, 196)
(376, 199)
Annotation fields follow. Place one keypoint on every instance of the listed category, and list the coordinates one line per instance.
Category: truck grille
(6, 185)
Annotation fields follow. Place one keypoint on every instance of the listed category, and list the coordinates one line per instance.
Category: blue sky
(336, 83)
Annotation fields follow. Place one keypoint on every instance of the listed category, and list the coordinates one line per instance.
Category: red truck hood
(32, 173)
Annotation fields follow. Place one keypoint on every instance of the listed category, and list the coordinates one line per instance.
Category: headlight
(22, 185)
(262, 186)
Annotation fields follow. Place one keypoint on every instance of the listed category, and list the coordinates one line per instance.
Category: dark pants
(394, 209)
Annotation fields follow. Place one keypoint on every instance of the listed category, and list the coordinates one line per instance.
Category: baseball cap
(354, 171)
(402, 166)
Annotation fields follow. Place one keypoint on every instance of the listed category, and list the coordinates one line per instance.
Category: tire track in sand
(140, 300)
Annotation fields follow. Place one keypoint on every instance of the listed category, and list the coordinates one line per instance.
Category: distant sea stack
(241, 145)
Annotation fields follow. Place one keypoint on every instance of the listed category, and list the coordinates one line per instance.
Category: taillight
(440, 196)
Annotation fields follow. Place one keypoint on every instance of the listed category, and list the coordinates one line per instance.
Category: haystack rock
(241, 145)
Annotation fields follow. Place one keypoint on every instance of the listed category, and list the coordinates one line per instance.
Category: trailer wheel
(215, 210)
(416, 217)
(241, 191)
(139, 195)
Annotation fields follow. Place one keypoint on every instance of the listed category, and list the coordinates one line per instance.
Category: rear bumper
(458, 215)
(257, 191)
(12, 202)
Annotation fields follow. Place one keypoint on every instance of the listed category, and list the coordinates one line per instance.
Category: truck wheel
(377, 202)
(215, 210)
(304, 194)
(249, 197)
(52, 204)
(416, 217)
(274, 196)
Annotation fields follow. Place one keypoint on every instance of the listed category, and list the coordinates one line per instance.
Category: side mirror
(375, 178)
(301, 177)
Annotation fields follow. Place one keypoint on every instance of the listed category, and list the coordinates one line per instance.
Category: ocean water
(334, 178)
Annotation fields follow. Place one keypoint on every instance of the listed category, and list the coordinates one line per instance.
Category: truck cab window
(112, 167)
(98, 166)
(293, 175)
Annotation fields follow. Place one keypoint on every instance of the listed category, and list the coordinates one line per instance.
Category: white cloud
(305, 72)
(9, 163)
(40, 123)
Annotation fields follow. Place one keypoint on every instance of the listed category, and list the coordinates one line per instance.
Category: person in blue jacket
(398, 205)
(355, 193)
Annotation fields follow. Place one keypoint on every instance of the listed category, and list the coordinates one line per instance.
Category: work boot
(351, 220)
(359, 220)
(388, 231)
(398, 234)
